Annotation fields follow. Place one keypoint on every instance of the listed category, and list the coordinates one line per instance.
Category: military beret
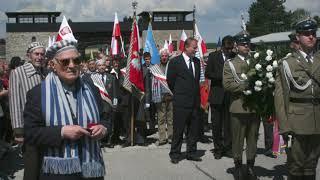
(60, 46)
(242, 38)
(34, 45)
(306, 25)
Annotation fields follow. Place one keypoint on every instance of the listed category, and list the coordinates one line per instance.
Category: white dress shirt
(187, 59)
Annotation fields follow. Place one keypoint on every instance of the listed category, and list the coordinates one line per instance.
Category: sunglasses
(66, 62)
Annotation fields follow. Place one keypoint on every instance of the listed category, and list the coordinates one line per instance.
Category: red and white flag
(116, 41)
(182, 40)
(133, 80)
(65, 32)
(201, 44)
(166, 45)
(170, 46)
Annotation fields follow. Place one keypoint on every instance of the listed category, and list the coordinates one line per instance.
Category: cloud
(313, 6)
(214, 17)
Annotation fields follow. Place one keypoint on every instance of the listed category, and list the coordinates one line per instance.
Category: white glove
(115, 101)
(147, 105)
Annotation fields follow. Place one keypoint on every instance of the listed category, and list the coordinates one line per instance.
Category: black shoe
(217, 154)
(228, 154)
(191, 158)
(270, 154)
(238, 174)
(174, 161)
(250, 172)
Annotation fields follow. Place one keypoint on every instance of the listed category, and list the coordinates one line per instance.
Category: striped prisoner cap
(34, 45)
(60, 46)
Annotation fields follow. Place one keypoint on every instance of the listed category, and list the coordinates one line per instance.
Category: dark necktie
(308, 57)
(190, 66)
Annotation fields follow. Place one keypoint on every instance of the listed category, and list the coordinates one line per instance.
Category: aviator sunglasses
(66, 62)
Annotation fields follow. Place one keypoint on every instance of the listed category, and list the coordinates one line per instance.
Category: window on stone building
(26, 19)
(164, 17)
(157, 18)
(12, 20)
(41, 19)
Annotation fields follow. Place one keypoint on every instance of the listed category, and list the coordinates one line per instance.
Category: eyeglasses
(66, 62)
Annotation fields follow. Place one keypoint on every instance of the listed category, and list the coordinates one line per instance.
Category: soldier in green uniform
(297, 103)
(244, 124)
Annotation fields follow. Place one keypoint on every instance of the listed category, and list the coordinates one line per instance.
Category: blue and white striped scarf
(67, 159)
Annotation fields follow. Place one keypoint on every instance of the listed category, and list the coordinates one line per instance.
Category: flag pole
(134, 5)
(194, 20)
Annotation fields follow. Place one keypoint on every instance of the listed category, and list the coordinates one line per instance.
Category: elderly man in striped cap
(22, 79)
(62, 117)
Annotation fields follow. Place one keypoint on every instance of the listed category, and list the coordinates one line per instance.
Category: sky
(215, 18)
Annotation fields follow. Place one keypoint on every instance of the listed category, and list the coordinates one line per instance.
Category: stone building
(37, 24)
(166, 21)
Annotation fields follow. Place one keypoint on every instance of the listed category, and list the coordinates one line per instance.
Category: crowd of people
(63, 109)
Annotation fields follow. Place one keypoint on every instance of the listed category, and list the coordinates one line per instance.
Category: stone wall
(17, 42)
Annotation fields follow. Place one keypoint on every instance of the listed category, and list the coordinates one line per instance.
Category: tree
(268, 16)
(317, 18)
(299, 15)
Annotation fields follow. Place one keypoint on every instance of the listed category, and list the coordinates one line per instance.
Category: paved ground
(152, 162)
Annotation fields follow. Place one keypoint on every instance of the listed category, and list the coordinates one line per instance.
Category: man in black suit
(183, 76)
(220, 99)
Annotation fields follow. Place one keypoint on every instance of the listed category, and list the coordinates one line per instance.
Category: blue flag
(219, 44)
(150, 46)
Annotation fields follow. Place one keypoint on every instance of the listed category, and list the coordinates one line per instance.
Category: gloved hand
(115, 101)
(147, 105)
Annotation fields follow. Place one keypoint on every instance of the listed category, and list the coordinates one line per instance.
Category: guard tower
(166, 21)
(30, 24)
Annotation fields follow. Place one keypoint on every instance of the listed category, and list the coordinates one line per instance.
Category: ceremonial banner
(65, 32)
(133, 80)
(150, 46)
(182, 40)
(116, 41)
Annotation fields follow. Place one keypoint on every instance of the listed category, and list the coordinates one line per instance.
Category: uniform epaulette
(285, 58)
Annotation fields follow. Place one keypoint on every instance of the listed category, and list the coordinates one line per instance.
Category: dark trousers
(304, 154)
(32, 164)
(184, 117)
(244, 126)
(268, 134)
(221, 130)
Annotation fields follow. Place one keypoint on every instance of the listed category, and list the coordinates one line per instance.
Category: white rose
(244, 76)
(256, 55)
(269, 68)
(269, 52)
(247, 92)
(269, 75)
(268, 58)
(257, 88)
(271, 80)
(258, 83)
(258, 67)
(275, 64)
